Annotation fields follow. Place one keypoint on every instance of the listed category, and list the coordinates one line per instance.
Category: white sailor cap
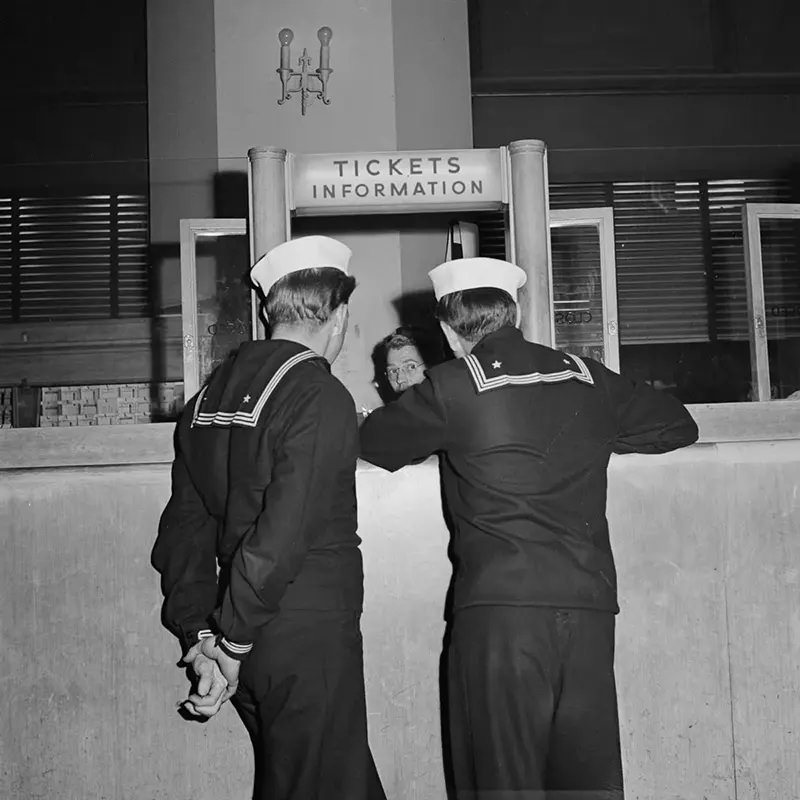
(307, 252)
(476, 273)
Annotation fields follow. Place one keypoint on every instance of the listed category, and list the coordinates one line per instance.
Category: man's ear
(340, 318)
(453, 339)
(262, 312)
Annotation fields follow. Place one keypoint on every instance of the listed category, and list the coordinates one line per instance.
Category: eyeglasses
(406, 368)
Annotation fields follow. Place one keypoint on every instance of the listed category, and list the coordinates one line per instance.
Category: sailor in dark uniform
(263, 484)
(525, 433)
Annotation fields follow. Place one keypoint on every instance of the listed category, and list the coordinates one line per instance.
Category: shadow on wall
(230, 195)
(158, 256)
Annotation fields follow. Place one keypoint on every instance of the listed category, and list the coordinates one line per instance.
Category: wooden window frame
(190, 231)
(752, 214)
(603, 220)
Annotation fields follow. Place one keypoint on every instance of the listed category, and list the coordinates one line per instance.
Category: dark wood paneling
(79, 353)
(653, 137)
(766, 35)
(92, 48)
(641, 89)
(581, 37)
(73, 87)
(67, 133)
(74, 178)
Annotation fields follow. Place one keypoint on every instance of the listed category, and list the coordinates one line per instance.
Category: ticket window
(216, 303)
(513, 179)
(584, 283)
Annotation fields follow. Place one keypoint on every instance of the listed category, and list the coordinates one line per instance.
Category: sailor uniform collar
(239, 396)
(503, 358)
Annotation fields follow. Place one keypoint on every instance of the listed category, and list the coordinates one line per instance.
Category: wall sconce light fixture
(310, 84)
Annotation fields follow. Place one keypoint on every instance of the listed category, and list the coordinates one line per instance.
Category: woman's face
(404, 368)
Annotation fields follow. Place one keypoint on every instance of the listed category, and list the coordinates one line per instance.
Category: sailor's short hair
(475, 313)
(308, 296)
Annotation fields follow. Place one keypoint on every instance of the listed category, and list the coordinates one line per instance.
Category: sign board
(397, 182)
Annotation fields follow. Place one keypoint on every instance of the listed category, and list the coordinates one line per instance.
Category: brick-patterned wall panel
(109, 404)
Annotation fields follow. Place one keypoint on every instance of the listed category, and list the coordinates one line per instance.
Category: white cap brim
(307, 252)
(476, 273)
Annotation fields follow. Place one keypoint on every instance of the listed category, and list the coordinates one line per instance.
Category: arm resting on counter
(406, 431)
(649, 421)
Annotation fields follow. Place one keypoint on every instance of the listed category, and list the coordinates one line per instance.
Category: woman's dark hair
(308, 296)
(475, 313)
(428, 342)
(404, 336)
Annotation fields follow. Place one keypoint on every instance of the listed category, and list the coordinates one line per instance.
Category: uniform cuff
(205, 634)
(234, 650)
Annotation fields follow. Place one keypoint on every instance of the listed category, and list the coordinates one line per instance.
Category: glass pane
(577, 290)
(223, 299)
(780, 246)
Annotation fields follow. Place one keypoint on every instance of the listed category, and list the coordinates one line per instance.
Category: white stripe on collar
(483, 383)
(248, 419)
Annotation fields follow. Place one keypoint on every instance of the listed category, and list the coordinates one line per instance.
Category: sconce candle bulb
(324, 35)
(285, 38)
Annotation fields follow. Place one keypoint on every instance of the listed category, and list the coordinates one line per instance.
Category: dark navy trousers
(301, 697)
(532, 705)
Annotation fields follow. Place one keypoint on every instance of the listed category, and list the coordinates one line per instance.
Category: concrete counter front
(708, 656)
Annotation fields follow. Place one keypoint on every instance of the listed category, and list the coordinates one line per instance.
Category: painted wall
(361, 116)
(362, 112)
(708, 655)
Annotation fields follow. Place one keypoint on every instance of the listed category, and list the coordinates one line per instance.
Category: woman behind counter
(406, 353)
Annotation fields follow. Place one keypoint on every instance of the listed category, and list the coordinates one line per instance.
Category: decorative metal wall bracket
(311, 85)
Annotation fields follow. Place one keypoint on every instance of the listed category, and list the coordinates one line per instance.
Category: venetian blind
(6, 273)
(73, 258)
(725, 202)
(662, 294)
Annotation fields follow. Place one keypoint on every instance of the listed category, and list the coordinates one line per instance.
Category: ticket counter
(707, 547)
